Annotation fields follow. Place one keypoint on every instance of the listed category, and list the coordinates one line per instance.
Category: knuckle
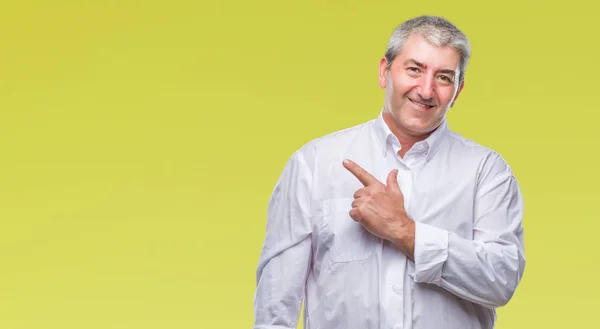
(359, 210)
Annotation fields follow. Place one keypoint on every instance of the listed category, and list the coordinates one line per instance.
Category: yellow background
(140, 142)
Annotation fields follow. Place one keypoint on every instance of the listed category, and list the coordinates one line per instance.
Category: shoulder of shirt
(331, 144)
(335, 143)
(490, 161)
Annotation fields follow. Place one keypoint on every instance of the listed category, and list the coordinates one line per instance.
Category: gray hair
(437, 31)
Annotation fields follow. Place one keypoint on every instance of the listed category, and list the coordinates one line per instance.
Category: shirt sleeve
(486, 269)
(285, 257)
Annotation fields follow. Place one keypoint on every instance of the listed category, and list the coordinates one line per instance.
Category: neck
(407, 140)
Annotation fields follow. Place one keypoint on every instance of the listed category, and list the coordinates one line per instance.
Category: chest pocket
(347, 240)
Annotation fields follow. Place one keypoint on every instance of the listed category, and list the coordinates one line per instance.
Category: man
(397, 222)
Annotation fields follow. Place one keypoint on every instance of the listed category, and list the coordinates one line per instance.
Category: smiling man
(397, 222)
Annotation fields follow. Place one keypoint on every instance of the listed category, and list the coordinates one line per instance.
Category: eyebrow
(421, 65)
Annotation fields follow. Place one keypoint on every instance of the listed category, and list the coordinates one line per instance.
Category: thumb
(392, 180)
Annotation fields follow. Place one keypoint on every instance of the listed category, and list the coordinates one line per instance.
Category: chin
(420, 128)
(418, 124)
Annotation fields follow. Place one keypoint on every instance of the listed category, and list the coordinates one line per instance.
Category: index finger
(363, 176)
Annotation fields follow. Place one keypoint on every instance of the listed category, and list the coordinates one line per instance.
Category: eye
(446, 78)
(413, 69)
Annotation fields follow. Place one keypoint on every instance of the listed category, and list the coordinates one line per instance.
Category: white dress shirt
(469, 255)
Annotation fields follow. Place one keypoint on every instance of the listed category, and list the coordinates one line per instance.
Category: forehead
(418, 48)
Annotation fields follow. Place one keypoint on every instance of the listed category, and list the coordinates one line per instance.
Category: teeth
(421, 104)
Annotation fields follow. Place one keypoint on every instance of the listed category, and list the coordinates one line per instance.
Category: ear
(460, 87)
(382, 72)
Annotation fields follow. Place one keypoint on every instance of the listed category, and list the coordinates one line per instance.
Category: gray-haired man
(397, 222)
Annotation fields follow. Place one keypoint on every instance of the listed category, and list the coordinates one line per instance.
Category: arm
(487, 269)
(285, 257)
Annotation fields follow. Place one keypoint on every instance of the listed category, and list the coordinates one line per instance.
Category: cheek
(402, 85)
(445, 95)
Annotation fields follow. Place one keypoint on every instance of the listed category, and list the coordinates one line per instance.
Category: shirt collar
(385, 137)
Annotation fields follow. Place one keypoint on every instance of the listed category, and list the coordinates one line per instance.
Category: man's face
(420, 86)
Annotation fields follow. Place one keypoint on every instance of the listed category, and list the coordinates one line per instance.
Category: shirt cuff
(431, 251)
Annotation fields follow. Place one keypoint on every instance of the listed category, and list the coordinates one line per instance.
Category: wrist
(404, 237)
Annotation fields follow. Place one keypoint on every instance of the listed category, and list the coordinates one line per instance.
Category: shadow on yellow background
(140, 141)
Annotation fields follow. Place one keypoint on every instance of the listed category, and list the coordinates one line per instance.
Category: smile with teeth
(425, 106)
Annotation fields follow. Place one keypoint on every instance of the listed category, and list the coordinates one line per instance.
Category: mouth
(421, 106)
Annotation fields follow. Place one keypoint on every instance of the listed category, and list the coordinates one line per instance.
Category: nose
(426, 87)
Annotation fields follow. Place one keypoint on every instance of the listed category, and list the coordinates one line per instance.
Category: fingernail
(346, 162)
